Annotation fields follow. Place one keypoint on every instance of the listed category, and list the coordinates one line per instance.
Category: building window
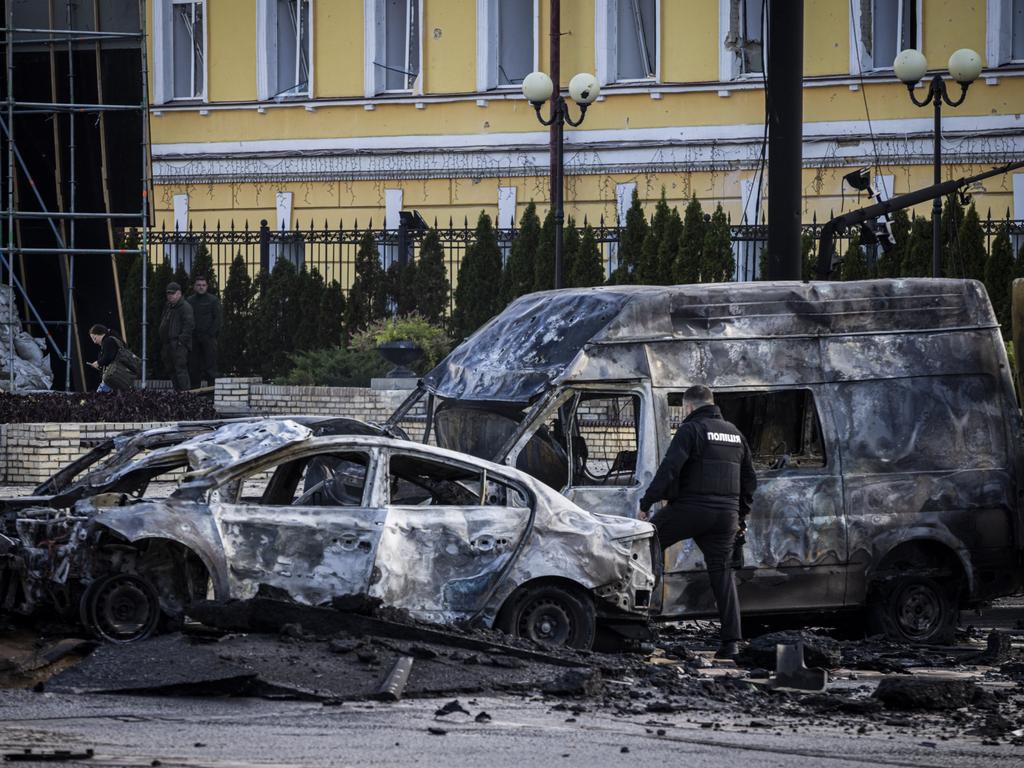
(626, 39)
(284, 48)
(1017, 31)
(506, 42)
(880, 29)
(1004, 36)
(179, 50)
(743, 37)
(393, 48)
(188, 49)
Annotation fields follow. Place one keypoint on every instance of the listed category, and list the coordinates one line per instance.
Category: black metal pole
(784, 95)
(937, 169)
(556, 136)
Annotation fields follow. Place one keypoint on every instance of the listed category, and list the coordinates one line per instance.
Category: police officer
(709, 481)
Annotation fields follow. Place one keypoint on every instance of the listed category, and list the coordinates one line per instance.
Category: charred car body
(881, 414)
(268, 508)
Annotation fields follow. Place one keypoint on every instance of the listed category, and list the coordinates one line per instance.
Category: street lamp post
(964, 66)
(583, 89)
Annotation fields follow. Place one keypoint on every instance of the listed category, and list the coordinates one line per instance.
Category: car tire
(916, 609)
(550, 615)
(121, 608)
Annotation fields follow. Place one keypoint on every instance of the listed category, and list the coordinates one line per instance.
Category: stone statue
(31, 360)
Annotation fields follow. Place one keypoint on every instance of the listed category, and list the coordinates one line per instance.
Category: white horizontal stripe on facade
(966, 140)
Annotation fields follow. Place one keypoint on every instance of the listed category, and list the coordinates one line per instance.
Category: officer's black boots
(728, 650)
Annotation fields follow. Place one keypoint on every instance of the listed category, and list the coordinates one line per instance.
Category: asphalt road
(135, 731)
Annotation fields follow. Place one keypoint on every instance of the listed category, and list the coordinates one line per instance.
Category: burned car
(881, 415)
(97, 470)
(267, 508)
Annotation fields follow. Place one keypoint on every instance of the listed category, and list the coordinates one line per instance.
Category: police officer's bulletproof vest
(715, 471)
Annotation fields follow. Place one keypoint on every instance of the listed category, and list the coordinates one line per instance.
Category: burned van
(881, 415)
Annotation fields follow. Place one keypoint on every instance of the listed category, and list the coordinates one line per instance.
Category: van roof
(518, 354)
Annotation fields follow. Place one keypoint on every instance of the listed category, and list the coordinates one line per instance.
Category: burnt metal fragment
(394, 684)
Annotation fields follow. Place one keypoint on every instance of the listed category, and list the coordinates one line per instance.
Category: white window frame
(999, 34)
(487, 52)
(860, 60)
(266, 53)
(163, 52)
(375, 46)
(606, 43)
(728, 62)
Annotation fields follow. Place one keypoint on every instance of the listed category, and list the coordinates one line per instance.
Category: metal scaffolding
(62, 219)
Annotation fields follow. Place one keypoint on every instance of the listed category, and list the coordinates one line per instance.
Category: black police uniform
(708, 477)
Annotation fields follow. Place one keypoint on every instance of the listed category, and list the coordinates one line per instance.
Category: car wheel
(121, 608)
(916, 609)
(550, 615)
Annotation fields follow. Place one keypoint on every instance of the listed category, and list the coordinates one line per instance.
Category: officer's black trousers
(714, 531)
(202, 360)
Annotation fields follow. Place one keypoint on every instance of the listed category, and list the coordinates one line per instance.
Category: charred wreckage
(881, 414)
(268, 508)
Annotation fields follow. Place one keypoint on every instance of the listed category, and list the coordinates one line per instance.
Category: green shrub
(336, 367)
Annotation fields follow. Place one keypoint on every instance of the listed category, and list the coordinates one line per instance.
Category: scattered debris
(394, 684)
(57, 756)
(926, 693)
(818, 651)
(790, 671)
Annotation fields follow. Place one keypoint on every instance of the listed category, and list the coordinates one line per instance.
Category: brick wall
(30, 453)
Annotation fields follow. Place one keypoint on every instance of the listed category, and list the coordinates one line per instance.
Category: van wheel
(550, 615)
(916, 609)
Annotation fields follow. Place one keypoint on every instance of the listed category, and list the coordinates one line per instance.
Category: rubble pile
(973, 690)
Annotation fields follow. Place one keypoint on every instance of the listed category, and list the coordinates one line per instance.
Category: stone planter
(401, 354)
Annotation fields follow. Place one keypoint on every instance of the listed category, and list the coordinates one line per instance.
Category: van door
(604, 439)
(796, 551)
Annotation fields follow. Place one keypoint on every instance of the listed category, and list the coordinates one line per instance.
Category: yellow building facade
(300, 111)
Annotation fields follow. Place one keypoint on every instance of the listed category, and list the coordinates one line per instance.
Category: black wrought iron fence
(332, 251)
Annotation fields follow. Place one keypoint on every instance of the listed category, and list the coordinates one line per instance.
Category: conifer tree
(668, 250)
(309, 288)
(401, 287)
(202, 264)
(917, 259)
(131, 300)
(331, 317)
(157, 300)
(717, 262)
(648, 269)
(237, 306)
(855, 264)
(476, 300)
(519, 273)
(691, 244)
(367, 299)
(181, 277)
(950, 224)
(276, 315)
(1000, 271)
(890, 264)
(544, 263)
(631, 243)
(570, 251)
(971, 242)
(432, 289)
(808, 256)
(588, 268)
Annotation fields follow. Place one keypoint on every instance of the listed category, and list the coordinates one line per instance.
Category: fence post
(403, 255)
(264, 246)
